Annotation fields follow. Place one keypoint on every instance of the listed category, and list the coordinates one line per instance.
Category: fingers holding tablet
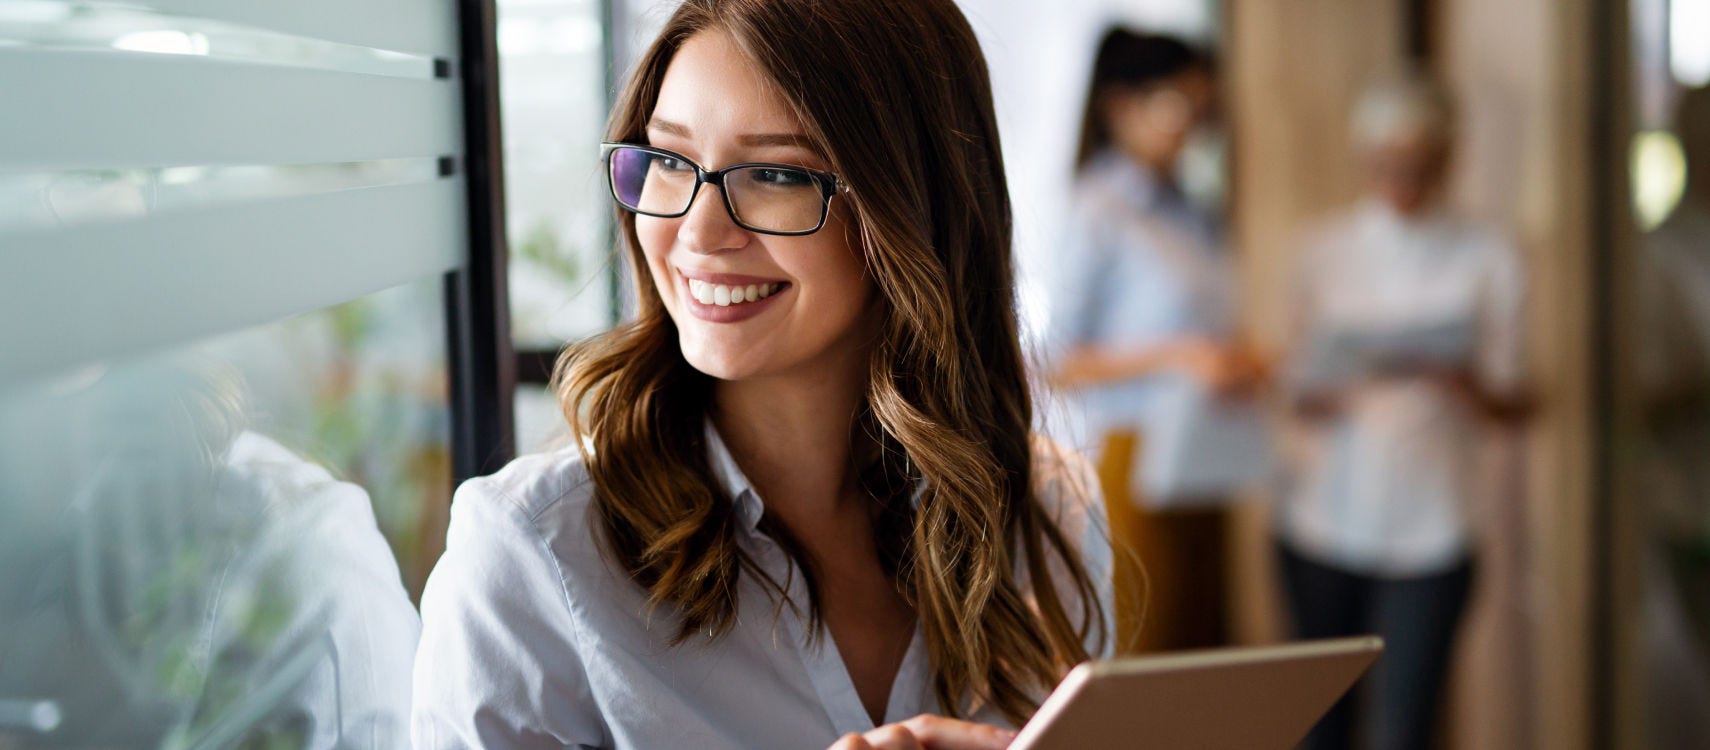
(928, 732)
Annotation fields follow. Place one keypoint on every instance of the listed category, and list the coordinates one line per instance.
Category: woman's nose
(708, 227)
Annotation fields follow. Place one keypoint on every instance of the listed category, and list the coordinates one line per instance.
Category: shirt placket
(819, 657)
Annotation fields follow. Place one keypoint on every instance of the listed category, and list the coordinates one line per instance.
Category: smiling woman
(823, 290)
(805, 468)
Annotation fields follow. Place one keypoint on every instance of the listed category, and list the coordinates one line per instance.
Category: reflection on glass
(191, 544)
(1673, 444)
(108, 26)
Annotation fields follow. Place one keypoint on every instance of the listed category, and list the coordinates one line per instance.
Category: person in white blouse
(805, 508)
(1407, 343)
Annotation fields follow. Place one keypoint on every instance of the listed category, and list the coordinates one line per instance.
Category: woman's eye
(668, 164)
(782, 177)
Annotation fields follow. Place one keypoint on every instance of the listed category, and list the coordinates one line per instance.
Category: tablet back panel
(1247, 699)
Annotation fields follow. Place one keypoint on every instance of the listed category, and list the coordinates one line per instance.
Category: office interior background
(250, 248)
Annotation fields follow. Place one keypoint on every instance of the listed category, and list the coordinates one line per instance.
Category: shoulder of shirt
(537, 484)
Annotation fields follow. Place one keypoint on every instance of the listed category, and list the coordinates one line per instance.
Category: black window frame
(477, 303)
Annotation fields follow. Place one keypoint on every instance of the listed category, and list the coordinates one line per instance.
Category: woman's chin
(723, 363)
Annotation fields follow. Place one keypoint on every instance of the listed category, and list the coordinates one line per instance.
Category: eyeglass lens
(768, 198)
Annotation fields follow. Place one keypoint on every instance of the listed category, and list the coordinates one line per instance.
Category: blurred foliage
(542, 246)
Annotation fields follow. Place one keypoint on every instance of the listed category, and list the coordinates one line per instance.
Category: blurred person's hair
(895, 94)
(1129, 60)
(1406, 104)
(1692, 126)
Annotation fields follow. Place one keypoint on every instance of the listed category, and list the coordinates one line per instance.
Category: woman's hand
(927, 732)
(1225, 369)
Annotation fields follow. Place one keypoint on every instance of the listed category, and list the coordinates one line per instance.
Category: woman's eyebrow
(669, 128)
(751, 139)
(777, 139)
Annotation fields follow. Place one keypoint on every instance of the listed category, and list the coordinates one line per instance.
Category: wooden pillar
(1523, 70)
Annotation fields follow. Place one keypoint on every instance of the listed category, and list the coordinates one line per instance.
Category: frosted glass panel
(143, 110)
(121, 287)
(44, 24)
(423, 27)
(225, 447)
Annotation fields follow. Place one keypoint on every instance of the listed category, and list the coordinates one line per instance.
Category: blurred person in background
(1674, 377)
(1406, 342)
(1142, 329)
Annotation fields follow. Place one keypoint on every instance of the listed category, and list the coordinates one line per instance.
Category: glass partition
(1660, 549)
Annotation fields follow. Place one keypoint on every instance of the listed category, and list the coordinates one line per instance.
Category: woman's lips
(727, 297)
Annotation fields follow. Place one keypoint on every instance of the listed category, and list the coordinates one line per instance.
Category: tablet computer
(1260, 698)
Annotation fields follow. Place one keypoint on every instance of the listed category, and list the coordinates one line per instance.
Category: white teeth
(702, 291)
(725, 296)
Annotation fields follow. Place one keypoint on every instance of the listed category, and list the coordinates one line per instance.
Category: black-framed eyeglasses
(778, 199)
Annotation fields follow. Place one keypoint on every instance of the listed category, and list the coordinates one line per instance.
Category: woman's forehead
(712, 91)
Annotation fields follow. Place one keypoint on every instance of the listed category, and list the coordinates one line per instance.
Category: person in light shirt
(805, 508)
(1143, 333)
(1407, 342)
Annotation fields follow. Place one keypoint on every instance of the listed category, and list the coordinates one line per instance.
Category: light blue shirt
(532, 639)
(1139, 265)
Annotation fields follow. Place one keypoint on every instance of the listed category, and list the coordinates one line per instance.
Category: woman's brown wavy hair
(895, 93)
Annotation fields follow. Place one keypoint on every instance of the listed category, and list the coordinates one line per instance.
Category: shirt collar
(731, 479)
(749, 507)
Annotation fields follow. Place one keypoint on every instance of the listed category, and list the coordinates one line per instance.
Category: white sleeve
(1502, 340)
(498, 666)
